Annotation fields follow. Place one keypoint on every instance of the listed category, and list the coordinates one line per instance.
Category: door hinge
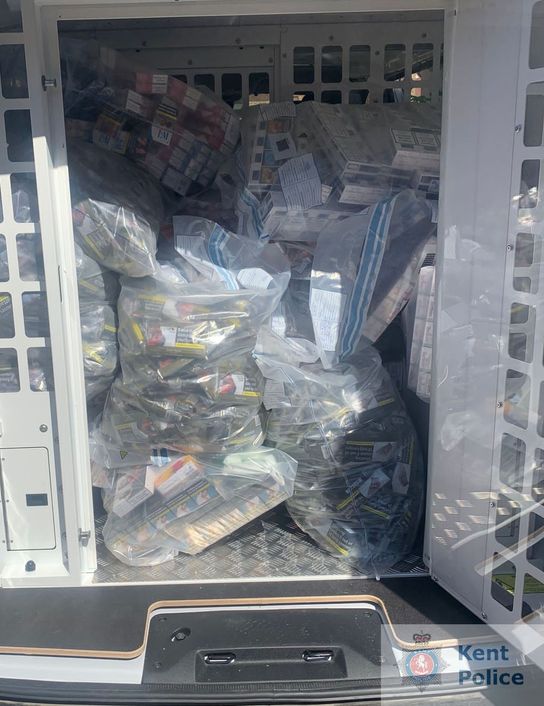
(48, 83)
(84, 536)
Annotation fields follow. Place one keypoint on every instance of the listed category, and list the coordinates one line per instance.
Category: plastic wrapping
(189, 381)
(316, 164)
(192, 503)
(94, 282)
(173, 326)
(108, 458)
(99, 340)
(234, 380)
(180, 325)
(360, 481)
(364, 272)
(30, 257)
(300, 256)
(292, 318)
(98, 290)
(189, 422)
(40, 370)
(35, 314)
(24, 198)
(116, 209)
(232, 260)
(177, 133)
(218, 202)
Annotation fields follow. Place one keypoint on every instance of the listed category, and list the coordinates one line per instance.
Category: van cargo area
(242, 424)
(270, 344)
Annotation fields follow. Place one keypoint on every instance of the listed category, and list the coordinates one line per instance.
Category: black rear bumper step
(64, 622)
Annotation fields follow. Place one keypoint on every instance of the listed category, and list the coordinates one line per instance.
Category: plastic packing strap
(248, 203)
(206, 256)
(389, 300)
(217, 240)
(235, 261)
(367, 274)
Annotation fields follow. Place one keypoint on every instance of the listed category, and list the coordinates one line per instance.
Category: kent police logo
(422, 667)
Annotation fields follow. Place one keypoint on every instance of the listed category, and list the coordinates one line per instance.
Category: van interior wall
(247, 62)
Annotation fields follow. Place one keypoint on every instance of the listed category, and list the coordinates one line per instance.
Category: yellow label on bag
(91, 244)
(93, 355)
(124, 426)
(389, 400)
(375, 512)
(347, 501)
(190, 346)
(336, 546)
(153, 298)
(110, 328)
(137, 332)
(87, 285)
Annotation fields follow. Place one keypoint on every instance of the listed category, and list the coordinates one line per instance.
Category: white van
(266, 614)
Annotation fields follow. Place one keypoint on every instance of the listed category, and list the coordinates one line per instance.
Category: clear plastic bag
(292, 317)
(189, 382)
(301, 256)
(24, 198)
(99, 341)
(108, 458)
(188, 422)
(235, 381)
(35, 314)
(30, 257)
(360, 482)
(116, 210)
(218, 202)
(364, 271)
(177, 133)
(40, 370)
(313, 407)
(186, 323)
(235, 262)
(94, 282)
(196, 501)
(197, 322)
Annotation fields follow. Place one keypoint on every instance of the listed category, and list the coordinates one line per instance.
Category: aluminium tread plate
(271, 547)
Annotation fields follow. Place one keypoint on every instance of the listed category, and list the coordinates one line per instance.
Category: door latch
(48, 83)
(84, 537)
